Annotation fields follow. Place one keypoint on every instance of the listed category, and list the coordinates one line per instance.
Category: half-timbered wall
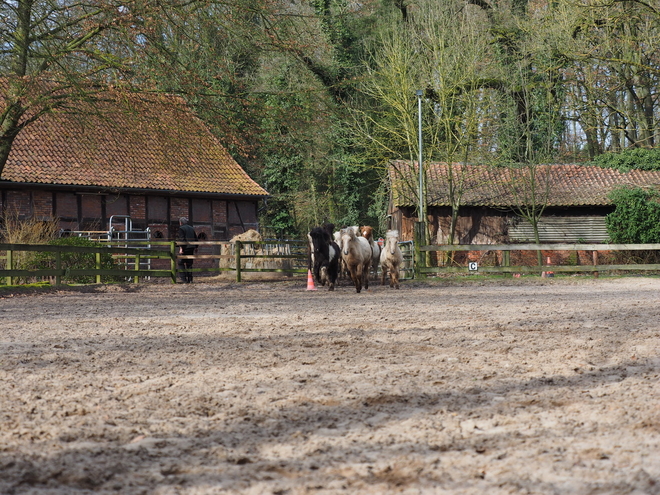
(214, 219)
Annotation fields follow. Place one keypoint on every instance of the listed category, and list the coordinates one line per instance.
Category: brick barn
(576, 199)
(143, 156)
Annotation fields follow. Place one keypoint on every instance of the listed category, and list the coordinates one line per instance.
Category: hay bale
(250, 249)
(248, 235)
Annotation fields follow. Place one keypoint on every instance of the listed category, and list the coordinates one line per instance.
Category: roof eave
(5, 184)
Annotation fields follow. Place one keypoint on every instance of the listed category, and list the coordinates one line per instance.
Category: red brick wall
(116, 205)
(219, 212)
(201, 211)
(137, 208)
(91, 207)
(179, 208)
(163, 228)
(157, 209)
(43, 205)
(20, 203)
(204, 229)
(209, 216)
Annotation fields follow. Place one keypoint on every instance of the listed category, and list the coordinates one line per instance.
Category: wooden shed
(143, 156)
(576, 199)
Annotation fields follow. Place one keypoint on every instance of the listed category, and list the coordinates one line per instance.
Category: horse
(343, 269)
(324, 256)
(356, 253)
(368, 234)
(391, 258)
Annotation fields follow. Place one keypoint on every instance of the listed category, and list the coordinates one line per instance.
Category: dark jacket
(187, 234)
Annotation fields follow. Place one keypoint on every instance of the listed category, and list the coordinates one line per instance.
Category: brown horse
(368, 234)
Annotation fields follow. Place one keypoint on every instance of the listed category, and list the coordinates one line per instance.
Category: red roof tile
(567, 185)
(127, 141)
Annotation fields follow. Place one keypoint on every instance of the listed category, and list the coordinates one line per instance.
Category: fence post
(10, 266)
(237, 257)
(58, 267)
(506, 258)
(419, 241)
(594, 255)
(98, 266)
(173, 260)
(136, 278)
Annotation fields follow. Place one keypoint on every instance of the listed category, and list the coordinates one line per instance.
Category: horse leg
(395, 278)
(356, 275)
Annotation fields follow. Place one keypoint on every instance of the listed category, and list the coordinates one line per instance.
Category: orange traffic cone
(310, 281)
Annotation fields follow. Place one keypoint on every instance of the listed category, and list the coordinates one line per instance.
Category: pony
(356, 253)
(368, 234)
(391, 258)
(343, 269)
(324, 256)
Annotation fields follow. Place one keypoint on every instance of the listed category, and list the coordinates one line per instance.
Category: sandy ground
(534, 386)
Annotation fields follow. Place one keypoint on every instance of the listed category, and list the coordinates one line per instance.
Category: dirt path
(527, 386)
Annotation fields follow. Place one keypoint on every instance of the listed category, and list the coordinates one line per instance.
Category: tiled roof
(567, 185)
(127, 141)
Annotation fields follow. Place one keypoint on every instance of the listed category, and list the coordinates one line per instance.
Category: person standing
(186, 233)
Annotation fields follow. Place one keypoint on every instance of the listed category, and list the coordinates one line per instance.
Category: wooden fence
(138, 258)
(159, 259)
(505, 250)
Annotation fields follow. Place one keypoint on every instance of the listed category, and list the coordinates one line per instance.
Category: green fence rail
(287, 257)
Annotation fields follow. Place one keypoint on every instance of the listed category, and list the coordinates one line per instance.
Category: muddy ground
(539, 386)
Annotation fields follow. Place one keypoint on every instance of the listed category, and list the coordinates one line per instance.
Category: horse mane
(319, 235)
(392, 233)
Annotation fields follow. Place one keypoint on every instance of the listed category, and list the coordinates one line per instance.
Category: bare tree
(440, 49)
(53, 52)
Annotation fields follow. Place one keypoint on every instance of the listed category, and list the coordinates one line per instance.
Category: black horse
(324, 256)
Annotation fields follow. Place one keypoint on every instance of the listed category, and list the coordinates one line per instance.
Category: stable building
(144, 157)
(575, 198)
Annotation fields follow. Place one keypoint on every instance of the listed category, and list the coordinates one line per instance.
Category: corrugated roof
(127, 140)
(567, 185)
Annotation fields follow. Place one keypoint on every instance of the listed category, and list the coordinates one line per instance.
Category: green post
(98, 266)
(173, 261)
(420, 237)
(58, 267)
(237, 257)
(506, 258)
(136, 279)
(10, 266)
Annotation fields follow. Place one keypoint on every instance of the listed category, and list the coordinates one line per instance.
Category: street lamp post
(420, 227)
(419, 160)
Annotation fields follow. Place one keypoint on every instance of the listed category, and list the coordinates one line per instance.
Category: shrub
(16, 230)
(636, 218)
(79, 261)
(630, 159)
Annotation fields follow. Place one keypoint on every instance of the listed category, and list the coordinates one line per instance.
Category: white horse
(391, 258)
(356, 253)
